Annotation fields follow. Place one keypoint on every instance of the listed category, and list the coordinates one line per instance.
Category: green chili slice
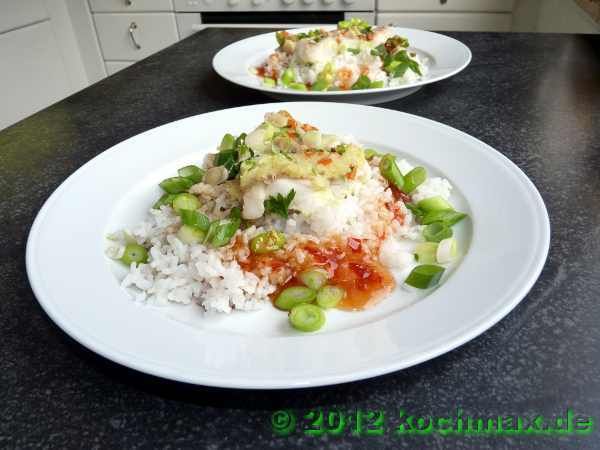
(267, 242)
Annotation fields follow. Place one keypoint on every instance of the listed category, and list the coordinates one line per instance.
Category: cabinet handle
(443, 2)
(133, 26)
(128, 2)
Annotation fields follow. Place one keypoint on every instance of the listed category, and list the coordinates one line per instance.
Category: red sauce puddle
(349, 264)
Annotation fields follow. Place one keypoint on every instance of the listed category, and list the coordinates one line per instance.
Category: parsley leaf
(278, 204)
(354, 51)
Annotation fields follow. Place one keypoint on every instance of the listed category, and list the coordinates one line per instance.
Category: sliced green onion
(267, 242)
(436, 232)
(414, 178)
(227, 143)
(370, 153)
(447, 250)
(324, 79)
(436, 203)
(330, 296)
(363, 82)
(195, 219)
(306, 317)
(185, 201)
(320, 85)
(193, 173)
(292, 296)
(376, 84)
(298, 86)
(269, 82)
(190, 235)
(216, 175)
(288, 77)
(447, 217)
(280, 36)
(425, 252)
(425, 276)
(134, 253)
(314, 278)
(176, 185)
(221, 231)
(418, 213)
(389, 170)
(165, 199)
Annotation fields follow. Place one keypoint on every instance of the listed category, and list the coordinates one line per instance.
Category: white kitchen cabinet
(33, 74)
(448, 21)
(15, 15)
(446, 6)
(134, 36)
(114, 66)
(130, 5)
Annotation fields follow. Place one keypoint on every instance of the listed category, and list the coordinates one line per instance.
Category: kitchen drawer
(15, 14)
(151, 31)
(130, 5)
(448, 5)
(448, 21)
(115, 66)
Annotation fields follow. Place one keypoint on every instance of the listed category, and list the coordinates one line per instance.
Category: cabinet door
(15, 14)
(130, 5)
(446, 5)
(33, 75)
(448, 21)
(134, 36)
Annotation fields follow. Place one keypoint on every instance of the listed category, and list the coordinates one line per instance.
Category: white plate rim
(221, 55)
(460, 337)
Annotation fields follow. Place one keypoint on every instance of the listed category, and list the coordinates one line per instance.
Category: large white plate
(446, 57)
(76, 284)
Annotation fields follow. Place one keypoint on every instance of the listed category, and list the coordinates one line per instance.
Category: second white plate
(446, 57)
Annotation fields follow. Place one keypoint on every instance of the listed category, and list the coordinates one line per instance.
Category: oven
(195, 15)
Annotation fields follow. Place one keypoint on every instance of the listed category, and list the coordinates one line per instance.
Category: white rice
(183, 273)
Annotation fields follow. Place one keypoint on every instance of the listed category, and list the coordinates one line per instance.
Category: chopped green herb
(278, 204)
(354, 51)
(227, 142)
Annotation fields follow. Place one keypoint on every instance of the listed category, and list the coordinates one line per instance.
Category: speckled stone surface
(535, 98)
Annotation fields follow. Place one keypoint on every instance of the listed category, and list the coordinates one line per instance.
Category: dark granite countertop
(535, 98)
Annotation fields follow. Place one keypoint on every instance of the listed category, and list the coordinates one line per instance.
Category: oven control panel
(273, 5)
